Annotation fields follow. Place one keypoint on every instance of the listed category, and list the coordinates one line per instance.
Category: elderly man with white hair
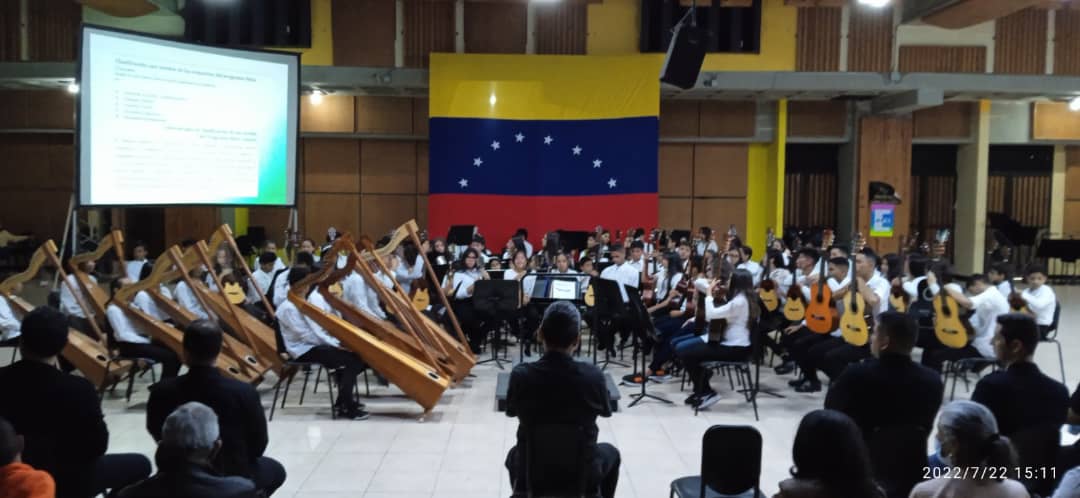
(190, 438)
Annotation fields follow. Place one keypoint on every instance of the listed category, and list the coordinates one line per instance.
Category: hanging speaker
(685, 55)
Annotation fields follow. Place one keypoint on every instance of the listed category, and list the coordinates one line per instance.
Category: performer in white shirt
(185, 295)
(637, 255)
(271, 247)
(987, 303)
(305, 340)
(745, 253)
(798, 340)
(309, 246)
(9, 323)
(262, 277)
(133, 340)
(69, 303)
(135, 264)
(525, 324)
(280, 282)
(459, 287)
(1000, 275)
(835, 357)
(411, 267)
(145, 302)
(1040, 298)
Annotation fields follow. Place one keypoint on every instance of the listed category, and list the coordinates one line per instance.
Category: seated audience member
(1021, 396)
(890, 389)
(969, 439)
(558, 390)
(831, 460)
(241, 417)
(307, 341)
(132, 340)
(17, 479)
(189, 441)
(59, 415)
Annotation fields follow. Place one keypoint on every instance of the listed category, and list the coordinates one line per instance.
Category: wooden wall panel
(727, 118)
(870, 40)
(422, 168)
(429, 27)
(190, 223)
(363, 32)
(1067, 42)
(336, 113)
(1054, 121)
(45, 220)
(1071, 225)
(995, 194)
(561, 28)
(676, 213)
(817, 39)
(331, 165)
(321, 211)
(388, 167)
(950, 120)
(390, 115)
(825, 118)
(1072, 172)
(1031, 200)
(53, 29)
(38, 174)
(484, 35)
(380, 213)
(720, 170)
(273, 219)
(676, 170)
(810, 199)
(38, 109)
(1020, 43)
(720, 213)
(679, 118)
(420, 117)
(9, 31)
(942, 59)
(421, 211)
(884, 154)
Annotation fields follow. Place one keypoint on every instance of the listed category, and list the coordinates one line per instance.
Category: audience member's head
(829, 449)
(44, 333)
(202, 343)
(1016, 338)
(561, 327)
(894, 332)
(969, 437)
(190, 435)
(11, 444)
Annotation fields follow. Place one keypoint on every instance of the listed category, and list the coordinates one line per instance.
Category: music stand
(607, 303)
(497, 298)
(460, 236)
(678, 235)
(573, 240)
(641, 329)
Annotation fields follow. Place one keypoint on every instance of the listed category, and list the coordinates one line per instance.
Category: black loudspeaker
(685, 55)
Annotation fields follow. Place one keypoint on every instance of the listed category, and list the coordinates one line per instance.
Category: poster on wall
(882, 219)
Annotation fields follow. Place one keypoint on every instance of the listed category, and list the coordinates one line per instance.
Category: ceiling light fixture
(874, 3)
(73, 88)
(316, 97)
(1074, 104)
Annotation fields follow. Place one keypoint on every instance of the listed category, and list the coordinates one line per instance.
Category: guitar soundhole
(444, 361)
(433, 375)
(251, 359)
(102, 358)
(234, 371)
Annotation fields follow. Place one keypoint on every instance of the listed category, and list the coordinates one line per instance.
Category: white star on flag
(596, 163)
(477, 162)
(610, 183)
(548, 140)
(495, 145)
(465, 183)
(577, 150)
(519, 137)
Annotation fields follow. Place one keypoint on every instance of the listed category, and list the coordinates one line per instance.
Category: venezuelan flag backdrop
(542, 142)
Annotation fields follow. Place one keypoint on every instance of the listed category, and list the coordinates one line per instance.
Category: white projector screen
(171, 123)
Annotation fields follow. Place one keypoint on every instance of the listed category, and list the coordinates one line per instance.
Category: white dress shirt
(68, 303)
(782, 278)
(637, 265)
(527, 283)
(881, 288)
(185, 296)
(987, 306)
(281, 287)
(9, 325)
(405, 276)
(124, 328)
(133, 268)
(1004, 288)
(262, 279)
(354, 291)
(463, 279)
(625, 275)
(301, 333)
(278, 266)
(912, 288)
(145, 303)
(737, 313)
(1041, 302)
(373, 295)
(755, 270)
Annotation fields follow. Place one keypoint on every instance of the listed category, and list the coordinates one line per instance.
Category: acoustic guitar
(898, 297)
(950, 328)
(233, 292)
(420, 296)
(854, 326)
(767, 288)
(821, 316)
(794, 308)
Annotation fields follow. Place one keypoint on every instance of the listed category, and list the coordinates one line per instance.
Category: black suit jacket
(191, 482)
(59, 415)
(1022, 397)
(557, 390)
(240, 415)
(887, 391)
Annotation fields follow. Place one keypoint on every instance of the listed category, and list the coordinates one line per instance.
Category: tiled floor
(459, 450)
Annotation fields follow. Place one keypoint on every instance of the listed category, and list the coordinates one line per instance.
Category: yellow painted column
(972, 176)
(765, 185)
(240, 221)
(1057, 193)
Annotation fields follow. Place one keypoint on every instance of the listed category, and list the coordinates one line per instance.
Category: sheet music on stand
(550, 287)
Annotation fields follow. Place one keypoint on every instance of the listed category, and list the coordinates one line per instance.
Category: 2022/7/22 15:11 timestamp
(992, 473)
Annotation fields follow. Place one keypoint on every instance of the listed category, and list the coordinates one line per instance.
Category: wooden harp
(419, 381)
(99, 299)
(87, 355)
(459, 359)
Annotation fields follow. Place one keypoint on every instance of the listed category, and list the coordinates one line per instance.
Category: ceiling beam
(907, 102)
(966, 13)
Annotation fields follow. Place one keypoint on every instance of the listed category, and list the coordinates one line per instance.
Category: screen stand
(72, 221)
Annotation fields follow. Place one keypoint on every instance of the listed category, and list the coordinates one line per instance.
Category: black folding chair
(730, 464)
(898, 454)
(742, 371)
(558, 463)
(292, 367)
(1051, 337)
(959, 370)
